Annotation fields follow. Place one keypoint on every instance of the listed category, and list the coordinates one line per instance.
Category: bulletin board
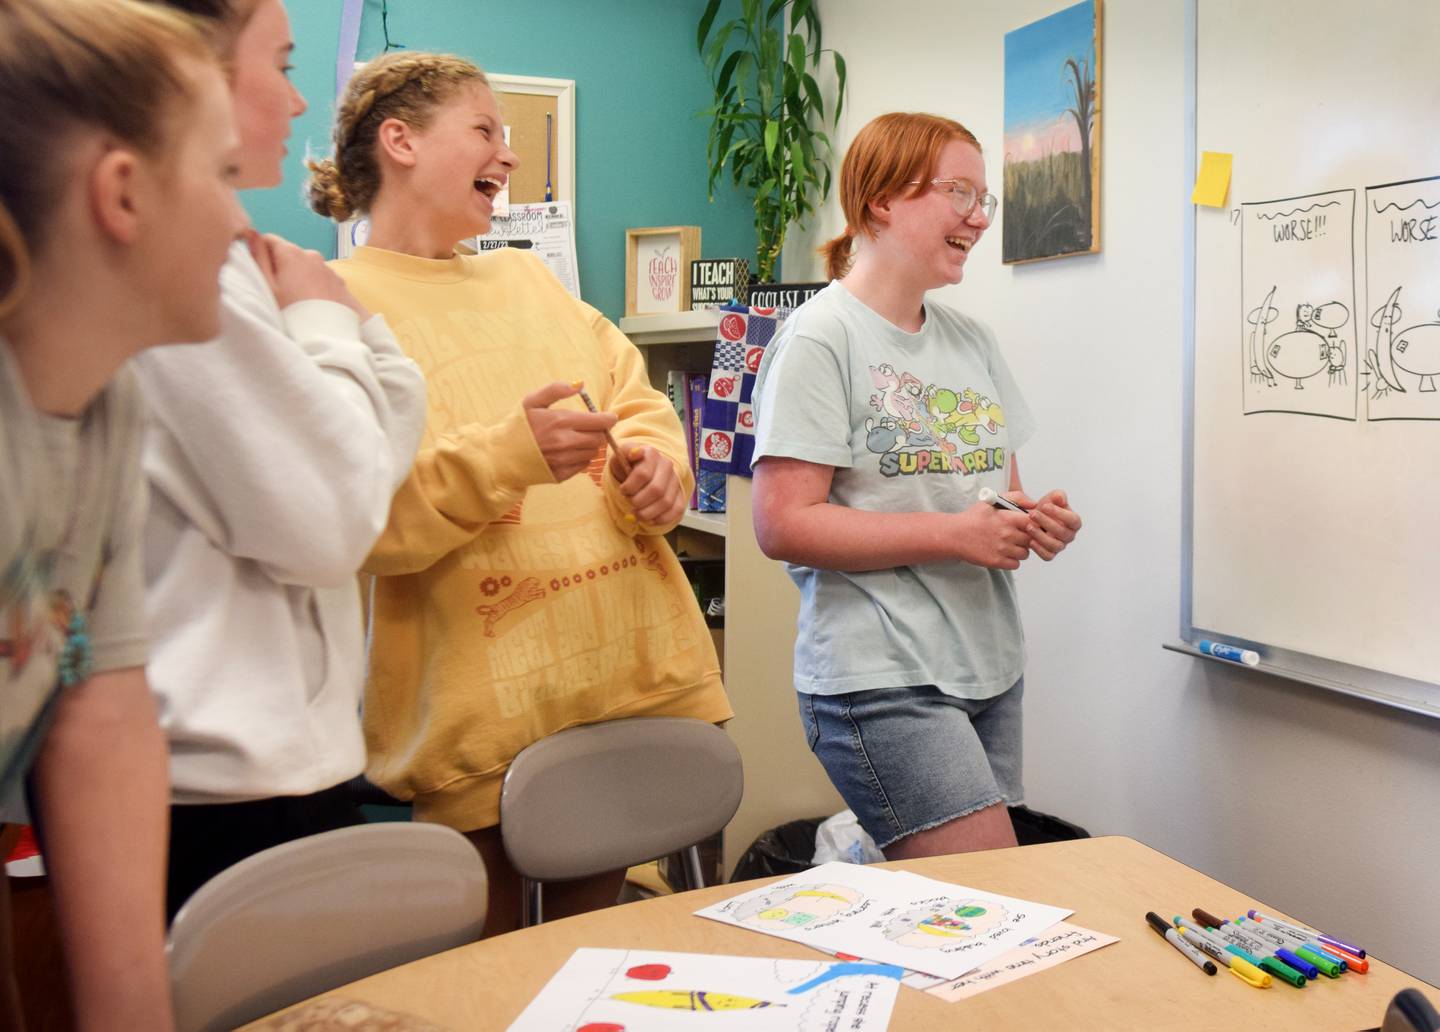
(545, 148)
(1312, 508)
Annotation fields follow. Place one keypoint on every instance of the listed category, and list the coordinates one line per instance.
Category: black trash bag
(788, 849)
(1032, 827)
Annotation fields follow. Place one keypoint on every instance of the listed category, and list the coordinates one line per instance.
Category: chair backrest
(605, 796)
(1409, 1011)
(316, 913)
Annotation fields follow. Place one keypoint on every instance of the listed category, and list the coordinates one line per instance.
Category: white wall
(1121, 736)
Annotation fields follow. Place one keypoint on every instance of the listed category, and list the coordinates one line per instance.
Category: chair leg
(531, 904)
(693, 873)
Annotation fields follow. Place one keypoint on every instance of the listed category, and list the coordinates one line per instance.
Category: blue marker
(1220, 650)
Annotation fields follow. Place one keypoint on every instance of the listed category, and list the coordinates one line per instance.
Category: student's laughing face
(929, 231)
(462, 162)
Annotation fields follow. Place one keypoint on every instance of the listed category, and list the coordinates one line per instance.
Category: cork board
(525, 102)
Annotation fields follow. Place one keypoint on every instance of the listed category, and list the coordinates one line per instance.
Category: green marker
(1327, 966)
(1282, 970)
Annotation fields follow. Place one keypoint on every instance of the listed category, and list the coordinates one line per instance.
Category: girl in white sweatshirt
(272, 457)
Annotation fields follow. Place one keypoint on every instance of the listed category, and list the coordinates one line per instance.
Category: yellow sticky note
(1213, 181)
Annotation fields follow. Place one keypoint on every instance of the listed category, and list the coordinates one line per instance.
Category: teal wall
(640, 148)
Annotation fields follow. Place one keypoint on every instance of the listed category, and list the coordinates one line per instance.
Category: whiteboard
(1313, 414)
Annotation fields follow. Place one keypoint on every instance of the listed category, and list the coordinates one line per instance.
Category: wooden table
(1139, 982)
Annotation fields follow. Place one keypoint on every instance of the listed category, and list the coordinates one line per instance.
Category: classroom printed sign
(1402, 299)
(653, 991)
(1297, 319)
(893, 917)
(1054, 946)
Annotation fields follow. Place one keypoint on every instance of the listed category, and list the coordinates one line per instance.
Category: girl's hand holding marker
(647, 478)
(1052, 525)
(620, 461)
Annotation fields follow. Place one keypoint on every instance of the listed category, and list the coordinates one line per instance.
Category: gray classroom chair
(605, 796)
(316, 913)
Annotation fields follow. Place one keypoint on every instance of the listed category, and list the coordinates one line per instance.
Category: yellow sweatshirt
(508, 607)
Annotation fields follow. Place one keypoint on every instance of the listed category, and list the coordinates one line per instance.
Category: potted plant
(766, 122)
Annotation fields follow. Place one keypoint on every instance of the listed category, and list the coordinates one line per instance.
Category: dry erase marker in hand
(1236, 655)
(614, 444)
(1000, 501)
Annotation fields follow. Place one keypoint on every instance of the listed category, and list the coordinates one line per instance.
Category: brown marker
(614, 444)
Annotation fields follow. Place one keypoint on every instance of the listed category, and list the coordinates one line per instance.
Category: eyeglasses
(963, 196)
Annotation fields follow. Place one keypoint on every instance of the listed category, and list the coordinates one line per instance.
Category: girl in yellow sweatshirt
(522, 585)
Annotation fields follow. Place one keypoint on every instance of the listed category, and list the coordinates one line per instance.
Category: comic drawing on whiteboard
(1297, 286)
(1402, 296)
(605, 990)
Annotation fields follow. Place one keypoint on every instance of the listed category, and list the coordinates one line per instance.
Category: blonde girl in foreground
(117, 152)
(522, 585)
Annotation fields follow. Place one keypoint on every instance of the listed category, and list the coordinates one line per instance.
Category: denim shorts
(911, 759)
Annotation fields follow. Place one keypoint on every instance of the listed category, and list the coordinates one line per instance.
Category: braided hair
(406, 85)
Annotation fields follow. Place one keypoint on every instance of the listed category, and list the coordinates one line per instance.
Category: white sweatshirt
(272, 455)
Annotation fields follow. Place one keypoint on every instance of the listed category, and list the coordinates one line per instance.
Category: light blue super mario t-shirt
(911, 422)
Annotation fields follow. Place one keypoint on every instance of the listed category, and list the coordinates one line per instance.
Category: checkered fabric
(727, 434)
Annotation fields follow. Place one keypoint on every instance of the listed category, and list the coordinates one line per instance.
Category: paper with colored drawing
(1052, 947)
(601, 990)
(893, 917)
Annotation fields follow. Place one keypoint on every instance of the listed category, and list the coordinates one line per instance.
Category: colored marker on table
(1170, 935)
(1220, 650)
(1303, 946)
(1263, 957)
(1328, 940)
(1221, 954)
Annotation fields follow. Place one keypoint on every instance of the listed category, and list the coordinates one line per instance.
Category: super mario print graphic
(925, 428)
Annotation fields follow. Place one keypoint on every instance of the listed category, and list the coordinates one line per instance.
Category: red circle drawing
(717, 446)
(746, 418)
(752, 359)
(724, 386)
(649, 972)
(732, 327)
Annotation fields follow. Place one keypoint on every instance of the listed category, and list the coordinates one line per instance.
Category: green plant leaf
(772, 135)
(812, 90)
(722, 85)
(749, 9)
(711, 10)
(797, 57)
(776, 6)
(803, 154)
(840, 89)
(801, 10)
(743, 67)
(791, 93)
(717, 46)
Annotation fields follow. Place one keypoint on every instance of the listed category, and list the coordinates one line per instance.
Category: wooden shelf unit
(782, 780)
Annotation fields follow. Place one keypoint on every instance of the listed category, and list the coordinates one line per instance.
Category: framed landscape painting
(1052, 136)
